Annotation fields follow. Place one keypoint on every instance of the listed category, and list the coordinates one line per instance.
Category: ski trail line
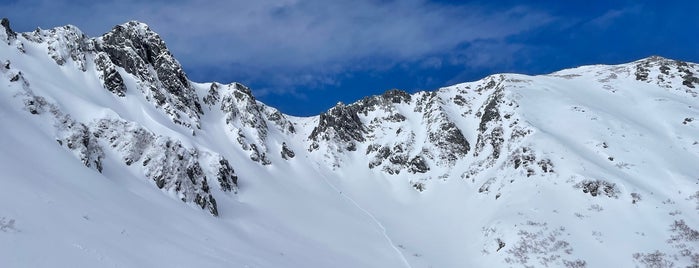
(371, 216)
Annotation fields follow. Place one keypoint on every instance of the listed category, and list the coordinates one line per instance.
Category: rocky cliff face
(137, 50)
(129, 50)
(142, 53)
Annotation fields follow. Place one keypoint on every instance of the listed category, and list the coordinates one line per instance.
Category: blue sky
(303, 56)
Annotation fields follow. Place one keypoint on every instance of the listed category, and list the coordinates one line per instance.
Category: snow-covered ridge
(511, 170)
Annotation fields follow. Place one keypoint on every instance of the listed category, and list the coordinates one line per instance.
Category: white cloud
(301, 42)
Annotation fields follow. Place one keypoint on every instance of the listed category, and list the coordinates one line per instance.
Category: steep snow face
(112, 157)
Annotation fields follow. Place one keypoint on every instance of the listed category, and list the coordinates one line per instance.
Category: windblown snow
(111, 157)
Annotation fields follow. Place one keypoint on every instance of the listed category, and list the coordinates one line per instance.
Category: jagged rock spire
(11, 35)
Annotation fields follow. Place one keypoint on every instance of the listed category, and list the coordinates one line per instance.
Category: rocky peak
(136, 48)
(245, 91)
(147, 44)
(9, 33)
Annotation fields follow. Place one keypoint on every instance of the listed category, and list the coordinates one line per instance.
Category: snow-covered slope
(112, 157)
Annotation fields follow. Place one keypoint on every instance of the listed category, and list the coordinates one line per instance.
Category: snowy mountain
(112, 157)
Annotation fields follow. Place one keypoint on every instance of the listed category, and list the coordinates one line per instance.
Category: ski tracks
(371, 216)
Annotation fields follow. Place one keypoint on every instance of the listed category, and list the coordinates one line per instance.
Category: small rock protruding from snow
(599, 187)
(287, 153)
(9, 33)
(418, 165)
(226, 176)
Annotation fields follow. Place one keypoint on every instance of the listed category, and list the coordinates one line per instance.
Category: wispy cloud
(297, 43)
(610, 16)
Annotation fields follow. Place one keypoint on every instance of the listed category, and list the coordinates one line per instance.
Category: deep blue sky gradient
(303, 56)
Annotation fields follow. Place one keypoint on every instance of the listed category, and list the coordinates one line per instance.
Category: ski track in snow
(370, 215)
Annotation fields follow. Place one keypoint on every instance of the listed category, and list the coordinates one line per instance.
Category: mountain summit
(110, 154)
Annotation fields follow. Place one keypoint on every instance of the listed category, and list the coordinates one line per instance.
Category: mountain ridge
(122, 104)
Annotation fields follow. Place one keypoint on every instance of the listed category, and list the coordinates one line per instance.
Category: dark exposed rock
(111, 79)
(372, 148)
(664, 69)
(213, 208)
(635, 198)
(384, 101)
(134, 47)
(172, 166)
(165, 161)
(419, 186)
(75, 136)
(490, 112)
(642, 72)
(39, 105)
(524, 158)
(213, 95)
(286, 152)
(441, 131)
(247, 119)
(501, 244)
(684, 70)
(395, 118)
(63, 44)
(418, 165)
(69, 43)
(257, 156)
(689, 80)
(396, 96)
(398, 159)
(129, 139)
(226, 176)
(494, 138)
(81, 141)
(341, 122)
(491, 131)
(141, 52)
(598, 187)
(280, 119)
(382, 154)
(451, 141)
(11, 35)
(314, 146)
(426, 102)
(131, 48)
(546, 165)
(460, 100)
(485, 187)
